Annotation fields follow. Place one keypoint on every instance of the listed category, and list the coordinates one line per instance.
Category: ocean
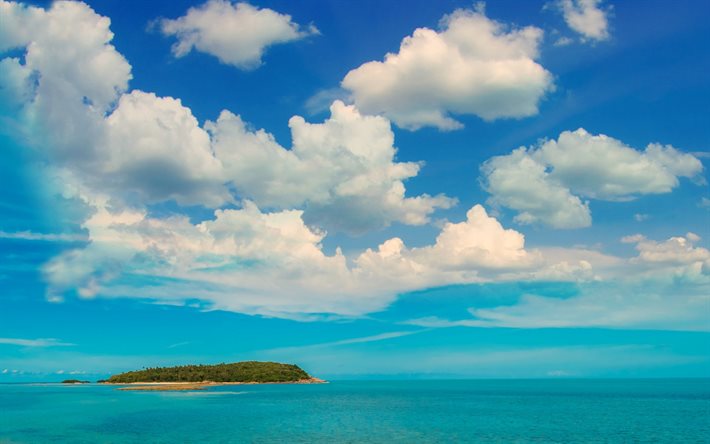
(447, 411)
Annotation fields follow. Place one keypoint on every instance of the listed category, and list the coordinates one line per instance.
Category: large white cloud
(236, 33)
(475, 250)
(141, 148)
(474, 65)
(586, 17)
(254, 262)
(546, 183)
(71, 86)
(92, 71)
(155, 147)
(71, 73)
(343, 170)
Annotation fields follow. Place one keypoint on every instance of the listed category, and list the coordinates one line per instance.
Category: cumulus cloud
(343, 170)
(98, 71)
(154, 146)
(75, 86)
(473, 65)
(254, 262)
(236, 33)
(140, 148)
(475, 250)
(677, 250)
(546, 183)
(586, 17)
(520, 182)
(69, 85)
(272, 263)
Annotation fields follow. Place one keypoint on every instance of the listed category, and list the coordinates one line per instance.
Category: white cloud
(602, 167)
(154, 146)
(520, 182)
(253, 262)
(475, 250)
(139, 148)
(343, 170)
(645, 305)
(677, 250)
(76, 112)
(236, 33)
(72, 84)
(563, 41)
(474, 65)
(97, 70)
(667, 286)
(50, 237)
(545, 183)
(629, 307)
(361, 340)
(586, 17)
(42, 342)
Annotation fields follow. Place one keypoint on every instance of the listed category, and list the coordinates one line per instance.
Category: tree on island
(249, 371)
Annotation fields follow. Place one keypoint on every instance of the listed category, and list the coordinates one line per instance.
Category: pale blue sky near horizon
(119, 249)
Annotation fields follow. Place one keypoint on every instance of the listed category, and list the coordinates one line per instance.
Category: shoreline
(203, 385)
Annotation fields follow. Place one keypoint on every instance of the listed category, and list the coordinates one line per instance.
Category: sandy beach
(183, 386)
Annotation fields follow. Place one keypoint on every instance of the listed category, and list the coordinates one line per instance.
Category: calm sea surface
(584, 411)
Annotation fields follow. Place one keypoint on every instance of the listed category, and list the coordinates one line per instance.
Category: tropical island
(199, 377)
(74, 381)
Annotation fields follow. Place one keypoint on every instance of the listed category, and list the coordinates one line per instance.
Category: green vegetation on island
(249, 371)
(74, 381)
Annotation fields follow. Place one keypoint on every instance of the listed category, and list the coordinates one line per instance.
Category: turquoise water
(496, 411)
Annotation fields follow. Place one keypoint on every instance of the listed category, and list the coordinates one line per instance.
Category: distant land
(74, 381)
(198, 377)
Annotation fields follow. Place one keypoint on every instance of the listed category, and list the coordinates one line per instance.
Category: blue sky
(499, 189)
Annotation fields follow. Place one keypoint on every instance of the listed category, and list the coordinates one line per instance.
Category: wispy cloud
(49, 237)
(360, 340)
(179, 344)
(40, 342)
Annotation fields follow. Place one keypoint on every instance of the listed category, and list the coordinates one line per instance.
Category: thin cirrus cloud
(666, 286)
(547, 183)
(42, 342)
(586, 17)
(473, 65)
(237, 34)
(48, 237)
